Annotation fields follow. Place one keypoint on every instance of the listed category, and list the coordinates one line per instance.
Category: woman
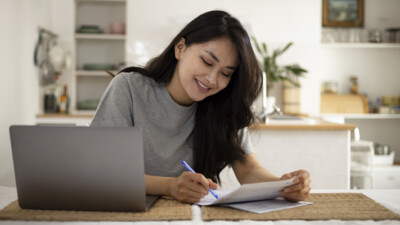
(193, 103)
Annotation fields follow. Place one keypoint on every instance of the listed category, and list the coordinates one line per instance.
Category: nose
(212, 78)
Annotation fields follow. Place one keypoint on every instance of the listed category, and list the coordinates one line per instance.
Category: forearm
(256, 175)
(156, 185)
(250, 170)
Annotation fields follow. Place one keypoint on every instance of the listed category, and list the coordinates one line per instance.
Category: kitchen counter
(318, 125)
(281, 146)
(65, 119)
(322, 148)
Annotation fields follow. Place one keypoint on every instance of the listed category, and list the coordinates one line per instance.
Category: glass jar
(330, 87)
(375, 36)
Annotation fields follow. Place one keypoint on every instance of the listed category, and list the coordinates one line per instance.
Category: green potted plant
(275, 73)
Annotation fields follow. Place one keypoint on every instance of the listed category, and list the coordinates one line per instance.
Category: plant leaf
(286, 47)
(257, 46)
(265, 48)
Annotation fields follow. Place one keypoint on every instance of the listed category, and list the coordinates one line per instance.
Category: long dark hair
(218, 119)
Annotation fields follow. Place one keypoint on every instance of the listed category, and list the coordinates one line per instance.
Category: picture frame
(342, 13)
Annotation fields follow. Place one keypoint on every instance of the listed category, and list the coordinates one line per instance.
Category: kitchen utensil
(37, 46)
(91, 29)
(57, 58)
(90, 104)
(330, 87)
(393, 34)
(381, 149)
(375, 36)
(46, 72)
(117, 28)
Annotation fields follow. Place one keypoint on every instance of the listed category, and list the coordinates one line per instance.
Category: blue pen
(191, 170)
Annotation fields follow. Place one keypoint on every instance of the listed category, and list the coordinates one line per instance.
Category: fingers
(301, 174)
(297, 196)
(196, 182)
(286, 176)
(212, 184)
(198, 179)
(300, 190)
(191, 187)
(189, 195)
(298, 186)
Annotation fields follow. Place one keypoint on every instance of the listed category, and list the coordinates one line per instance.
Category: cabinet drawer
(386, 177)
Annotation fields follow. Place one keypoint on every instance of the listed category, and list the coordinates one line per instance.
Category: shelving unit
(376, 65)
(96, 48)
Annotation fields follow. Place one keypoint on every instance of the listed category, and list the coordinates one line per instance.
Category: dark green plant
(276, 73)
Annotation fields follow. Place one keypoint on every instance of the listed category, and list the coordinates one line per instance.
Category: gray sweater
(132, 99)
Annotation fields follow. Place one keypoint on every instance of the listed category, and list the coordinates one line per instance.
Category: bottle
(354, 85)
(50, 103)
(64, 100)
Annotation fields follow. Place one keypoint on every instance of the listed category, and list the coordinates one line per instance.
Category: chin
(198, 99)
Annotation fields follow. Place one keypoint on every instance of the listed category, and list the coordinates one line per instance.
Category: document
(247, 193)
(256, 198)
(265, 206)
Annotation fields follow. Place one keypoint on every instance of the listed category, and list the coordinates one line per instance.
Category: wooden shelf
(319, 125)
(362, 45)
(364, 116)
(110, 37)
(106, 1)
(93, 73)
(83, 114)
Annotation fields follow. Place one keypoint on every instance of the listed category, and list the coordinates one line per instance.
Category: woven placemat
(332, 206)
(163, 209)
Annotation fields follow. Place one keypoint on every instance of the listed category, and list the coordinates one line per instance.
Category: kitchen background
(325, 53)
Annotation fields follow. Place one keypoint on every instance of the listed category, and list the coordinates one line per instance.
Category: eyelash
(205, 62)
(209, 64)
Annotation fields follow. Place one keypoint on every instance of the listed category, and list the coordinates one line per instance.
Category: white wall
(19, 20)
(153, 24)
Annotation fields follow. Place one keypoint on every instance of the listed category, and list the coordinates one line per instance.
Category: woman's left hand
(298, 191)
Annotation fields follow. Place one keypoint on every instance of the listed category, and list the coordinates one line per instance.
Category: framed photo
(342, 13)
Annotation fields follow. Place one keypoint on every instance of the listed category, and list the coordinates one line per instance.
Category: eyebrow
(216, 59)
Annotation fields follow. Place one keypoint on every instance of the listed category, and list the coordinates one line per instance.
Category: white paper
(247, 192)
(265, 206)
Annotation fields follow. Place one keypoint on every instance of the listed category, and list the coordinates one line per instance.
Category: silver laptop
(79, 168)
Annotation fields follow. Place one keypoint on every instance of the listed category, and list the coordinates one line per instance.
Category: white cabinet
(386, 177)
(96, 50)
(325, 154)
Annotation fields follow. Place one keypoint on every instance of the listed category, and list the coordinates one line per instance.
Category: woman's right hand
(190, 187)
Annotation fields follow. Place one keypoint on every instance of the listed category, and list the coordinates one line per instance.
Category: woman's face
(202, 70)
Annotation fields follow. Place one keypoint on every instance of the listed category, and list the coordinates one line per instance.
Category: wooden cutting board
(343, 104)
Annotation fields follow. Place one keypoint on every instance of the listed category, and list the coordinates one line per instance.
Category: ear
(179, 48)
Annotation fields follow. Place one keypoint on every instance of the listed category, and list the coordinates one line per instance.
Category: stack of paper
(257, 197)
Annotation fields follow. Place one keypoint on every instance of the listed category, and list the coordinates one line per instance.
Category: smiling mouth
(202, 85)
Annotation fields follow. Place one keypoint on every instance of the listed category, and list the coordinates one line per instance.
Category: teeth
(202, 85)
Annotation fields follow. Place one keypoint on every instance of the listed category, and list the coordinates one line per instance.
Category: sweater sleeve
(115, 108)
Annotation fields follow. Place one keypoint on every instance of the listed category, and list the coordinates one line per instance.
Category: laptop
(80, 168)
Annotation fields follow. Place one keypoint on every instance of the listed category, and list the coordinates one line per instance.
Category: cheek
(187, 69)
(224, 83)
